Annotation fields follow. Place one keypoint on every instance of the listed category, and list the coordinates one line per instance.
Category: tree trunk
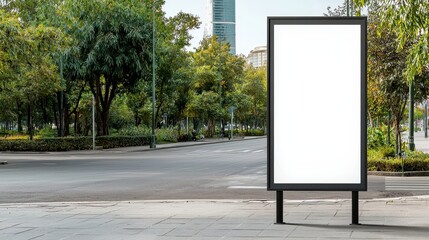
(105, 122)
(30, 121)
(56, 119)
(398, 138)
(18, 106)
(75, 123)
(44, 113)
(67, 114)
(179, 120)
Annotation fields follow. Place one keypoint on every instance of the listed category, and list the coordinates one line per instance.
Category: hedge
(395, 165)
(72, 143)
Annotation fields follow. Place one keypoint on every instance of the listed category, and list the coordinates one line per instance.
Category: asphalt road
(232, 170)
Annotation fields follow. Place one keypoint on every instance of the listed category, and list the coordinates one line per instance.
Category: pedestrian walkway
(183, 144)
(407, 184)
(422, 143)
(400, 218)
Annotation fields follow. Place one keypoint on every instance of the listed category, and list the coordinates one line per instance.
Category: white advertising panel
(317, 70)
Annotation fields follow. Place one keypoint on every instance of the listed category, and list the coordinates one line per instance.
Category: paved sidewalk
(183, 144)
(402, 218)
(422, 143)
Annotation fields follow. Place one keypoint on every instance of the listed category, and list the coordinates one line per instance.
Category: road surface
(232, 170)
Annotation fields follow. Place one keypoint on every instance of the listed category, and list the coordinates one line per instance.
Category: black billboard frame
(355, 188)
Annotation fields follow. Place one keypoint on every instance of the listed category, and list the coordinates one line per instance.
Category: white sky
(251, 17)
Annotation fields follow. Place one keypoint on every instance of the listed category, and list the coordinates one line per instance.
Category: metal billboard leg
(279, 207)
(355, 208)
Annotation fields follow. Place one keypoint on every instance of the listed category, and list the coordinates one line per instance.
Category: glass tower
(221, 22)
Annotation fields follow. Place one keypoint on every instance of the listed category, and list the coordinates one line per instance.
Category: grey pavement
(422, 143)
(399, 218)
(204, 141)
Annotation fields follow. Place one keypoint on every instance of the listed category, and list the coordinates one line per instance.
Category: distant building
(258, 57)
(221, 21)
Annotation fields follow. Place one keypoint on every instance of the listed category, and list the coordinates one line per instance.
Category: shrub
(122, 141)
(185, 137)
(47, 132)
(166, 135)
(383, 159)
(377, 137)
(135, 131)
(72, 143)
(162, 134)
(381, 153)
(47, 144)
(395, 165)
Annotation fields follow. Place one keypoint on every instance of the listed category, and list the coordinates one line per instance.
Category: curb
(134, 150)
(227, 201)
(188, 145)
(399, 174)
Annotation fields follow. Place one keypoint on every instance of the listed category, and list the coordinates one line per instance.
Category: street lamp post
(411, 144)
(220, 89)
(425, 118)
(152, 142)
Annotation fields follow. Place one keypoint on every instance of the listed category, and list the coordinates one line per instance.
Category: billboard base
(355, 208)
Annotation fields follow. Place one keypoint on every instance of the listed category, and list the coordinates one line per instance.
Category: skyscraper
(221, 21)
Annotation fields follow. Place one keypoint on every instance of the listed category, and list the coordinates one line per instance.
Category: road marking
(257, 151)
(222, 151)
(245, 151)
(247, 187)
(407, 183)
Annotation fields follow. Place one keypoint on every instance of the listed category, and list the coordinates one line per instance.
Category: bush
(185, 137)
(381, 153)
(162, 134)
(72, 143)
(166, 135)
(135, 131)
(47, 144)
(47, 132)
(122, 141)
(250, 132)
(383, 159)
(377, 137)
(395, 165)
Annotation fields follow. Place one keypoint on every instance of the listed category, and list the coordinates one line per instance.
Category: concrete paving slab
(398, 218)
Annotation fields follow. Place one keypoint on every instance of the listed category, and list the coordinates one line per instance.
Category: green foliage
(72, 143)
(122, 141)
(47, 144)
(377, 137)
(383, 159)
(47, 132)
(104, 48)
(408, 21)
(395, 165)
(121, 115)
(162, 134)
(166, 135)
(381, 153)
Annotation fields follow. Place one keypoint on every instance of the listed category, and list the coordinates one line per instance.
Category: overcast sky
(251, 17)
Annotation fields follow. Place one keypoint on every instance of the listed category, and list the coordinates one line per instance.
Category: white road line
(258, 151)
(245, 151)
(247, 187)
(407, 184)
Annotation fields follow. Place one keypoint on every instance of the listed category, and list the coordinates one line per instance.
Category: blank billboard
(317, 103)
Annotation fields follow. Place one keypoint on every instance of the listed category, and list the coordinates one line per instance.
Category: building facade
(221, 21)
(258, 57)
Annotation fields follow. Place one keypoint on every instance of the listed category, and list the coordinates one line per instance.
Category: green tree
(255, 86)
(408, 20)
(216, 74)
(387, 86)
(29, 71)
(113, 42)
